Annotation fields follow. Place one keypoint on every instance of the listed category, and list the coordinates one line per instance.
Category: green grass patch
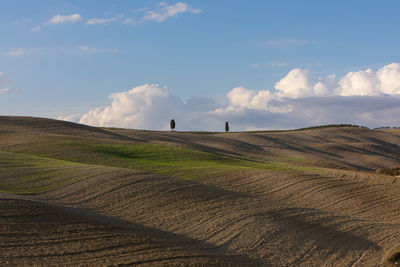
(27, 174)
(172, 161)
(32, 174)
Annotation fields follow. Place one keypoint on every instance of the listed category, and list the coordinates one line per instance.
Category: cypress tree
(172, 124)
(226, 126)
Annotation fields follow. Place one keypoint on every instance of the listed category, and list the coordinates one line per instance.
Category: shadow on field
(37, 222)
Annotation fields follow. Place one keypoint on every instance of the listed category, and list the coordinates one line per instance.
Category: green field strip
(172, 161)
(29, 174)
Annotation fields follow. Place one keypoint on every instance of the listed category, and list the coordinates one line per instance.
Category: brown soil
(346, 215)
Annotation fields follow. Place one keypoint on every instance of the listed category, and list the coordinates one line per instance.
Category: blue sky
(61, 58)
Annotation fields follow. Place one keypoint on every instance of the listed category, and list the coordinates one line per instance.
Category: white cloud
(151, 106)
(165, 11)
(255, 65)
(300, 83)
(146, 106)
(100, 21)
(242, 98)
(371, 111)
(389, 78)
(359, 83)
(300, 99)
(61, 19)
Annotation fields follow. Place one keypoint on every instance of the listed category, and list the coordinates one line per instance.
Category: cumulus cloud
(359, 83)
(151, 106)
(368, 82)
(61, 19)
(292, 113)
(165, 11)
(300, 99)
(240, 98)
(389, 79)
(300, 83)
(147, 107)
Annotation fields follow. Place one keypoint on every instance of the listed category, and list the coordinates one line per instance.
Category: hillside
(75, 194)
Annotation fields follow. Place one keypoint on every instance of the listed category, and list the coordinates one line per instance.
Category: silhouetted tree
(226, 126)
(172, 124)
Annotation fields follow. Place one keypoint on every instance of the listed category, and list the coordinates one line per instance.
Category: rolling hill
(75, 194)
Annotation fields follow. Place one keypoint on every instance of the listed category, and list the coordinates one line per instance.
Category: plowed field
(79, 195)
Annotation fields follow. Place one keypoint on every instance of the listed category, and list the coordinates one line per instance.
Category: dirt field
(74, 194)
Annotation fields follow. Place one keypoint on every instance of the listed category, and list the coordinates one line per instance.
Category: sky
(258, 64)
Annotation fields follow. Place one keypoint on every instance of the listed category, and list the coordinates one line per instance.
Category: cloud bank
(300, 83)
(300, 99)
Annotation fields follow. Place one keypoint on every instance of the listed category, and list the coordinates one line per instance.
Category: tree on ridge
(172, 124)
